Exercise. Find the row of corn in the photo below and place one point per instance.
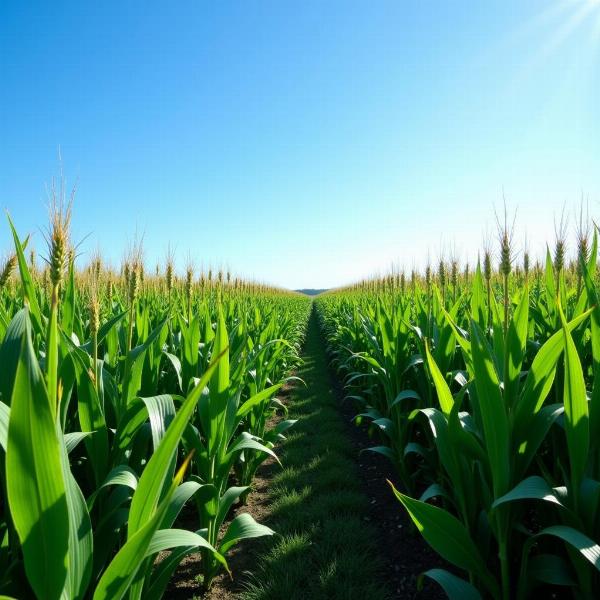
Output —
(134, 413)
(483, 389)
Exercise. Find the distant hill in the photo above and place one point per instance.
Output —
(311, 292)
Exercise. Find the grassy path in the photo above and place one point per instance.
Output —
(326, 548)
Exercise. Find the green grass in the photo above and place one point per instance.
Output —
(325, 549)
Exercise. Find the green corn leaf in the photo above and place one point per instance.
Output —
(455, 587)
(247, 442)
(161, 411)
(492, 410)
(404, 395)
(443, 391)
(226, 501)
(540, 378)
(592, 293)
(80, 535)
(69, 302)
(165, 539)
(4, 419)
(28, 287)
(449, 538)
(532, 488)
(256, 400)
(433, 491)
(516, 341)
(134, 363)
(577, 426)
(104, 330)
(122, 570)
(10, 352)
(535, 434)
(35, 486)
(551, 294)
(478, 298)
(219, 383)
(119, 475)
(383, 450)
(90, 412)
(176, 363)
(151, 484)
(74, 438)
(551, 569)
(52, 334)
(241, 528)
(163, 571)
(180, 496)
(581, 542)
(279, 429)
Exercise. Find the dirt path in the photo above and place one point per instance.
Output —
(326, 549)
(340, 534)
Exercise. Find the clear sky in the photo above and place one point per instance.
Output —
(303, 143)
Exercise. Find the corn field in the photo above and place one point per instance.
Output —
(136, 410)
(125, 398)
(480, 388)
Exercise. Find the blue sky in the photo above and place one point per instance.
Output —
(303, 143)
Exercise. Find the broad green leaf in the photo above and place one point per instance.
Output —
(443, 391)
(581, 542)
(227, 500)
(73, 439)
(180, 496)
(478, 298)
(152, 481)
(516, 341)
(90, 412)
(577, 426)
(134, 363)
(257, 399)
(541, 377)
(241, 528)
(28, 287)
(532, 488)
(68, 305)
(165, 539)
(455, 587)
(80, 534)
(10, 351)
(104, 330)
(551, 569)
(161, 411)
(535, 434)
(119, 475)
(449, 538)
(4, 418)
(219, 383)
(383, 450)
(492, 410)
(248, 442)
(35, 485)
(404, 395)
(122, 570)
(52, 334)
